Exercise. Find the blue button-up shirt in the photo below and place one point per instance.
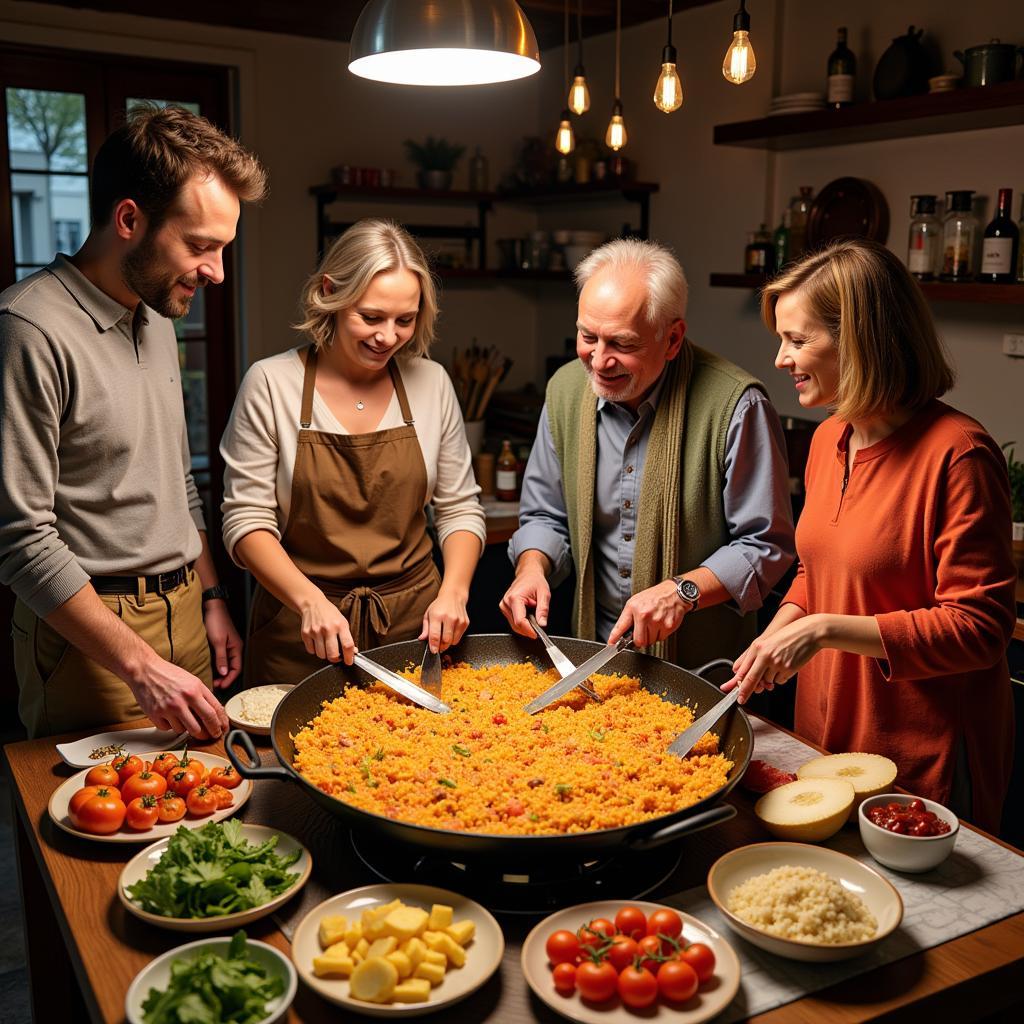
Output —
(755, 499)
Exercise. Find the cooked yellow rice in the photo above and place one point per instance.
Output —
(575, 767)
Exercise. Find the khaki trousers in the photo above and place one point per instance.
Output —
(63, 691)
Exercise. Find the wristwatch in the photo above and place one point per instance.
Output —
(688, 591)
(217, 593)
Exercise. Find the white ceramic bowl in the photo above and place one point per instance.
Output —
(878, 894)
(157, 974)
(907, 853)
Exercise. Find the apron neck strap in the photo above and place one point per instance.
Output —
(308, 386)
(403, 399)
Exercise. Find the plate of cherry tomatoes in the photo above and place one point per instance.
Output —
(617, 962)
(141, 798)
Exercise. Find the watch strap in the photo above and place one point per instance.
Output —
(215, 593)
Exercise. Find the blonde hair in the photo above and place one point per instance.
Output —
(667, 290)
(368, 248)
(889, 354)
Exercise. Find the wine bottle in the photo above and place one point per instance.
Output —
(999, 246)
(842, 66)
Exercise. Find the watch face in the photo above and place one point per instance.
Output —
(688, 590)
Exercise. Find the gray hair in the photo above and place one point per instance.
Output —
(667, 290)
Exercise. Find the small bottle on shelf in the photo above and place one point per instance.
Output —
(842, 67)
(505, 474)
(924, 244)
(959, 230)
(759, 257)
(999, 246)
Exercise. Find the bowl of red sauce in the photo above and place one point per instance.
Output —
(907, 833)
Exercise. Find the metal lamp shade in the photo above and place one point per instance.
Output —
(443, 42)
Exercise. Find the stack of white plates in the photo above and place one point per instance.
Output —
(797, 103)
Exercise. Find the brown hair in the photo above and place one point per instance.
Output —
(156, 151)
(889, 354)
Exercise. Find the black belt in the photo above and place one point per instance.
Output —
(160, 583)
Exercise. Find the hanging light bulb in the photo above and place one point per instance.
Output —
(616, 136)
(740, 64)
(668, 93)
(565, 140)
(579, 94)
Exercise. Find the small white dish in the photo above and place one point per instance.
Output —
(157, 974)
(58, 807)
(880, 897)
(145, 860)
(709, 1001)
(132, 741)
(483, 954)
(235, 705)
(912, 854)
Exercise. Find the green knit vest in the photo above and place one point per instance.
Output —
(680, 516)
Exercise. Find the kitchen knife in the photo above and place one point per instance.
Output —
(684, 742)
(562, 664)
(581, 675)
(400, 685)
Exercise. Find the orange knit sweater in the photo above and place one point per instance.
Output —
(920, 539)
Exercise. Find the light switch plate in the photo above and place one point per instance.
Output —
(1013, 345)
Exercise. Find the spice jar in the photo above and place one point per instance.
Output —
(924, 243)
(959, 233)
(759, 257)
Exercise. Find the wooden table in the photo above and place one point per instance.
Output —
(77, 929)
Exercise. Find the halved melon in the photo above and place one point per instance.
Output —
(806, 811)
(869, 774)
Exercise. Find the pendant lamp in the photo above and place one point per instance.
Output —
(443, 42)
(579, 93)
(668, 93)
(740, 63)
(565, 139)
(616, 137)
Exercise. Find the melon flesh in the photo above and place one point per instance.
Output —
(869, 774)
(806, 811)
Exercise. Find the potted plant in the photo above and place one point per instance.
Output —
(435, 159)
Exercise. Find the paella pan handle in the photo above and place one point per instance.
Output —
(251, 768)
(717, 663)
(712, 816)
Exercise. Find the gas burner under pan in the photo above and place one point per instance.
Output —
(547, 888)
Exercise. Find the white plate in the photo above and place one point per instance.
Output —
(134, 741)
(157, 974)
(877, 893)
(234, 709)
(710, 999)
(58, 807)
(140, 865)
(483, 954)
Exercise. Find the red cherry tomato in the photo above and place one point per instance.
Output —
(701, 958)
(597, 982)
(103, 775)
(677, 981)
(631, 921)
(650, 950)
(200, 801)
(226, 777)
(594, 938)
(127, 766)
(142, 813)
(565, 978)
(665, 922)
(622, 951)
(562, 947)
(638, 987)
(182, 781)
(171, 807)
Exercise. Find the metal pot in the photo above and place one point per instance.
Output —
(990, 63)
(669, 681)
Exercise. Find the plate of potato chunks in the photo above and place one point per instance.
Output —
(397, 950)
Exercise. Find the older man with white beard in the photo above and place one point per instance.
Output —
(659, 472)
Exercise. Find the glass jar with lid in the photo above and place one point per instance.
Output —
(959, 237)
(925, 241)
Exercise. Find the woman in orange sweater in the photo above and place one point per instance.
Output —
(903, 605)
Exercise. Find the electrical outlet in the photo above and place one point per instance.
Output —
(1013, 345)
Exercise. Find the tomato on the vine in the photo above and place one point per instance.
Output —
(677, 981)
(622, 951)
(631, 921)
(701, 958)
(650, 950)
(665, 922)
(594, 935)
(638, 987)
(564, 975)
(596, 981)
(562, 947)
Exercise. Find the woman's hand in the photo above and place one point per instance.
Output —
(325, 631)
(775, 657)
(445, 620)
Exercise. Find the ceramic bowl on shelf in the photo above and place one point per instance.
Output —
(902, 852)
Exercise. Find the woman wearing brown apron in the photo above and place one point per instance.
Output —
(333, 451)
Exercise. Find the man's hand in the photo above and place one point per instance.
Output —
(175, 699)
(445, 620)
(654, 614)
(529, 590)
(325, 631)
(773, 658)
(225, 642)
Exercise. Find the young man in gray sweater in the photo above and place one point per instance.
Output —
(102, 535)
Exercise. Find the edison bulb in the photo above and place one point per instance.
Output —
(579, 94)
(668, 93)
(616, 137)
(739, 64)
(565, 140)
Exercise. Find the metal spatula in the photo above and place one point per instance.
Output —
(430, 671)
(561, 662)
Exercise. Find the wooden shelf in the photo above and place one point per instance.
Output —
(341, 192)
(934, 291)
(601, 190)
(993, 106)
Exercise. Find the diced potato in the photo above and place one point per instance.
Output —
(333, 966)
(382, 946)
(462, 932)
(338, 949)
(415, 990)
(401, 961)
(433, 956)
(332, 929)
(373, 919)
(362, 948)
(451, 949)
(440, 917)
(374, 980)
(405, 922)
(434, 973)
(354, 934)
(432, 939)
(415, 949)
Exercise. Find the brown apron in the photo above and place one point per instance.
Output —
(357, 527)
